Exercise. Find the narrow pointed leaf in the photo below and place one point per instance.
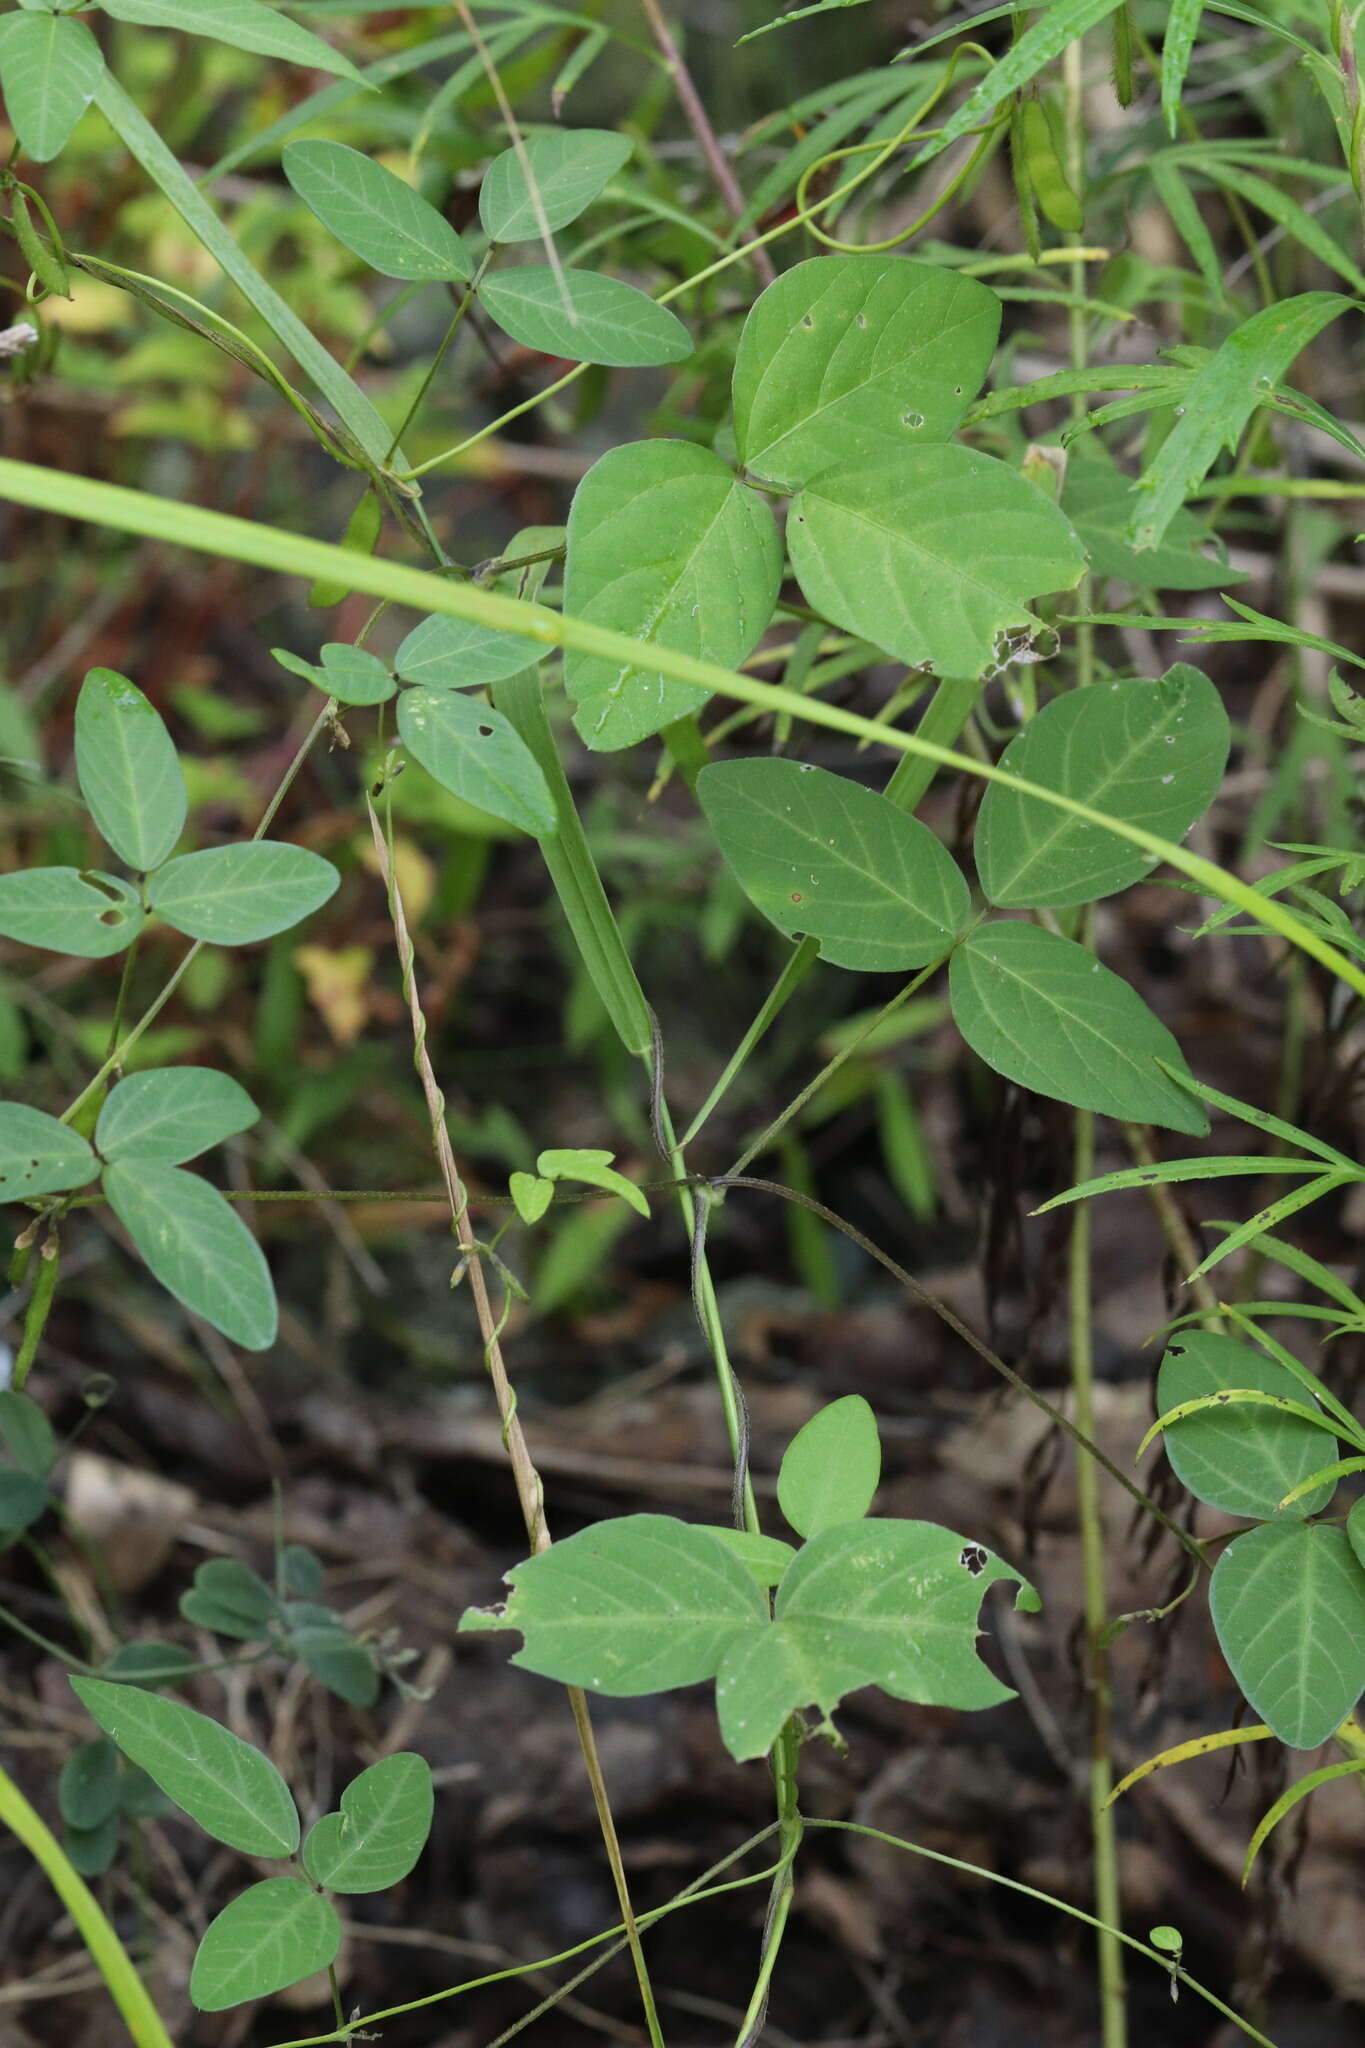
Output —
(665, 545)
(636, 1605)
(1182, 27)
(567, 168)
(1288, 1603)
(1063, 22)
(892, 1604)
(243, 24)
(832, 1467)
(128, 771)
(854, 359)
(1046, 1014)
(1239, 1458)
(232, 895)
(70, 910)
(472, 751)
(583, 316)
(380, 1832)
(386, 223)
(196, 1246)
(39, 1156)
(1099, 501)
(932, 556)
(172, 1114)
(273, 1935)
(823, 857)
(1289, 1799)
(50, 68)
(1149, 754)
(232, 1790)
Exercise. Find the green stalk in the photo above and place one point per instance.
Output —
(110, 1957)
(271, 548)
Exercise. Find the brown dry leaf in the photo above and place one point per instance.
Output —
(135, 1517)
(413, 872)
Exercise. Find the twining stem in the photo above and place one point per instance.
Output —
(526, 1479)
(110, 1957)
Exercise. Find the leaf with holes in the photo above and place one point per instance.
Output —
(831, 1468)
(232, 895)
(39, 1156)
(455, 654)
(664, 545)
(232, 1790)
(1288, 1603)
(386, 223)
(932, 556)
(380, 1832)
(271, 1936)
(50, 68)
(1046, 1014)
(1241, 1459)
(196, 1246)
(564, 169)
(583, 316)
(823, 857)
(636, 1605)
(472, 751)
(848, 360)
(243, 24)
(892, 1604)
(128, 771)
(70, 910)
(1149, 754)
(172, 1114)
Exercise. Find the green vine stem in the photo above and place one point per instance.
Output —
(110, 1957)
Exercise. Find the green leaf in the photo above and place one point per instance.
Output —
(274, 1934)
(585, 317)
(196, 1246)
(1098, 500)
(883, 1603)
(455, 654)
(847, 360)
(380, 1832)
(636, 1605)
(531, 1195)
(1182, 27)
(1148, 754)
(232, 895)
(349, 673)
(1046, 1014)
(1355, 1530)
(386, 223)
(128, 771)
(1063, 22)
(823, 857)
(70, 910)
(567, 169)
(326, 1646)
(90, 1851)
(88, 1788)
(149, 1663)
(172, 1114)
(232, 1790)
(1288, 1603)
(472, 751)
(665, 545)
(243, 24)
(50, 67)
(22, 1500)
(1303, 1788)
(229, 1598)
(301, 1570)
(932, 556)
(25, 1431)
(1221, 399)
(832, 1467)
(39, 1156)
(1239, 1458)
(594, 1168)
(766, 1557)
